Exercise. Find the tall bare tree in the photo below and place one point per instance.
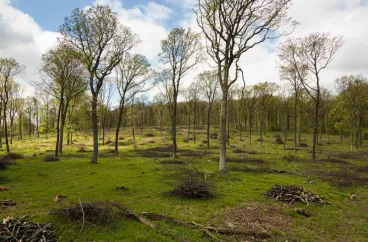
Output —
(101, 42)
(14, 108)
(132, 75)
(9, 68)
(312, 54)
(181, 51)
(233, 27)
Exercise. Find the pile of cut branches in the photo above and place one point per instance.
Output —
(14, 229)
(292, 194)
(97, 213)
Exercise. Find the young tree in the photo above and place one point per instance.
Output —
(9, 68)
(353, 92)
(15, 103)
(265, 91)
(232, 27)
(209, 85)
(106, 93)
(250, 98)
(181, 51)
(101, 42)
(64, 78)
(132, 76)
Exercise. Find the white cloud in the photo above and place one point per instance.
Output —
(24, 40)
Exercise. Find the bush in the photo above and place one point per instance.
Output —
(194, 188)
(278, 140)
(4, 163)
(204, 141)
(303, 145)
(150, 134)
(214, 136)
(193, 185)
(82, 149)
(51, 158)
(13, 156)
(121, 138)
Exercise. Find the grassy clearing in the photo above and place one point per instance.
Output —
(147, 172)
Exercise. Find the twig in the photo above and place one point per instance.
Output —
(80, 203)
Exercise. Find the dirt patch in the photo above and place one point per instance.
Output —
(243, 151)
(351, 155)
(173, 162)
(256, 217)
(247, 160)
(257, 170)
(343, 178)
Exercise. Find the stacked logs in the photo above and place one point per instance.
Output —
(14, 229)
(293, 194)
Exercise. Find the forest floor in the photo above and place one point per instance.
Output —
(147, 172)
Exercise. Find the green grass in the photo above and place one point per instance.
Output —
(33, 185)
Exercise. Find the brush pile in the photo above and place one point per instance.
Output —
(90, 212)
(14, 229)
(293, 194)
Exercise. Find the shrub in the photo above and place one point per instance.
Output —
(51, 158)
(4, 163)
(82, 149)
(303, 145)
(150, 134)
(193, 187)
(13, 156)
(214, 136)
(278, 139)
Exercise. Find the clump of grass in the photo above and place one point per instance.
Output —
(51, 158)
(13, 156)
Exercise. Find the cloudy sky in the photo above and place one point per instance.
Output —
(29, 27)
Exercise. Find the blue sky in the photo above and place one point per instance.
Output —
(50, 14)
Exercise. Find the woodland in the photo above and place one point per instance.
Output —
(96, 155)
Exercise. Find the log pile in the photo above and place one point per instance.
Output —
(14, 229)
(293, 194)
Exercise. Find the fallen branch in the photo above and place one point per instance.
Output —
(207, 230)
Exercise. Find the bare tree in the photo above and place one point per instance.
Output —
(209, 85)
(250, 99)
(132, 76)
(233, 27)
(106, 93)
(9, 68)
(101, 42)
(312, 54)
(181, 51)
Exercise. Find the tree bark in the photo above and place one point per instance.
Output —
(121, 109)
(173, 128)
(95, 128)
(6, 129)
(222, 163)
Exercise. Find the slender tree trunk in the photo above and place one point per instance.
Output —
(250, 128)
(58, 126)
(194, 124)
(95, 128)
(173, 130)
(11, 130)
(222, 163)
(132, 112)
(315, 131)
(121, 109)
(295, 118)
(208, 124)
(6, 129)
(63, 119)
(189, 125)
